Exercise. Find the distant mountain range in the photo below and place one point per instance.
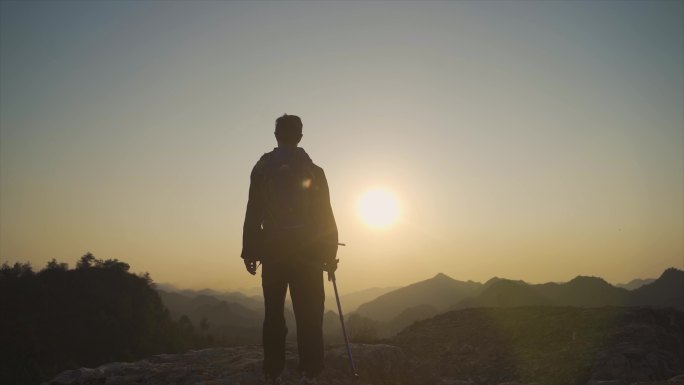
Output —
(635, 283)
(252, 298)
(400, 308)
(391, 310)
(351, 301)
(440, 292)
(666, 291)
(237, 317)
(233, 316)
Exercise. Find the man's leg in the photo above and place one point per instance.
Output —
(306, 290)
(274, 284)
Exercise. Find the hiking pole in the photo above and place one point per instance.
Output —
(331, 276)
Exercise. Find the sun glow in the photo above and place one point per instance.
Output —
(378, 208)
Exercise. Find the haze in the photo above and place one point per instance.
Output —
(527, 140)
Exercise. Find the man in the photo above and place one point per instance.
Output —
(290, 228)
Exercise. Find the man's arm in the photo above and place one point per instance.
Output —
(326, 222)
(251, 231)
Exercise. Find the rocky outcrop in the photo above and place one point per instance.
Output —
(377, 364)
(548, 345)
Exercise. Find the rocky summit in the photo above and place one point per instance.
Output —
(377, 364)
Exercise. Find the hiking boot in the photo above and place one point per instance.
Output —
(306, 380)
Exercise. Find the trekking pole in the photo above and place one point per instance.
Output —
(344, 330)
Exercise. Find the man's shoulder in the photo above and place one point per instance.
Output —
(317, 169)
(268, 159)
(263, 161)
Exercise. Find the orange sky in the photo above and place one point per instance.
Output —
(528, 140)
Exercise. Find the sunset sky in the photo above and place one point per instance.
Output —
(527, 140)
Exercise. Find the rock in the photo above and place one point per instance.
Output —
(376, 364)
(453, 381)
(517, 383)
(676, 380)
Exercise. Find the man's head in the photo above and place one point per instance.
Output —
(288, 130)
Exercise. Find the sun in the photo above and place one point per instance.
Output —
(378, 208)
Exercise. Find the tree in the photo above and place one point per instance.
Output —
(112, 264)
(185, 324)
(204, 324)
(87, 261)
(96, 313)
(58, 266)
(18, 270)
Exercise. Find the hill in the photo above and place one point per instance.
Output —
(584, 291)
(407, 317)
(233, 317)
(547, 345)
(253, 302)
(504, 292)
(667, 290)
(397, 309)
(635, 283)
(351, 301)
(580, 291)
(212, 309)
(440, 291)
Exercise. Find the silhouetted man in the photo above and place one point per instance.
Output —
(290, 228)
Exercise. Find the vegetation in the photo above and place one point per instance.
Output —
(547, 345)
(61, 318)
(363, 329)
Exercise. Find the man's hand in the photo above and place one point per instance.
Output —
(251, 266)
(330, 266)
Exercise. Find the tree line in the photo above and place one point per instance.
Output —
(98, 312)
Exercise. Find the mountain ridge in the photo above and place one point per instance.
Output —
(395, 309)
(635, 283)
(444, 293)
(427, 292)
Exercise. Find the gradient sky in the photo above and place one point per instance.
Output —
(527, 140)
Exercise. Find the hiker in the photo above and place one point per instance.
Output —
(290, 228)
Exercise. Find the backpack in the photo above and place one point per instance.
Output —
(288, 194)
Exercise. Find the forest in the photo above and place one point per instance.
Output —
(60, 318)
